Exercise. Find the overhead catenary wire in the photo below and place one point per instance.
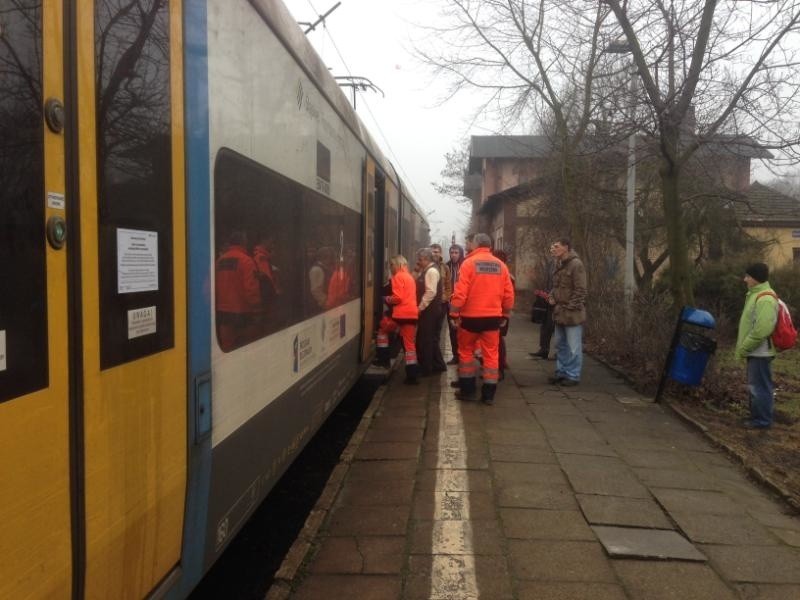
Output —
(398, 164)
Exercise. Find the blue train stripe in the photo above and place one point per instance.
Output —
(198, 204)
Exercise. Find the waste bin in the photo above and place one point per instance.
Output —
(690, 357)
(689, 350)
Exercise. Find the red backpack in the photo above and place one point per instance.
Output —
(784, 336)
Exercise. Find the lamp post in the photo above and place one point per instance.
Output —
(630, 200)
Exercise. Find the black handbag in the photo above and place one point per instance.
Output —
(539, 310)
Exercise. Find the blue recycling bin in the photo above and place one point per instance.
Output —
(690, 350)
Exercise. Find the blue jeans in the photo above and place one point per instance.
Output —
(762, 390)
(569, 351)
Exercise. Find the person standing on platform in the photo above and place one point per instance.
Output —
(547, 326)
(429, 353)
(456, 258)
(480, 306)
(447, 290)
(503, 355)
(569, 313)
(404, 313)
(759, 317)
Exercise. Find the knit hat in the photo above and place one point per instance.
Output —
(758, 271)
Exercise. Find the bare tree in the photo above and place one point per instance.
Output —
(535, 61)
(732, 63)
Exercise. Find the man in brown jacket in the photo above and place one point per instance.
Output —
(569, 312)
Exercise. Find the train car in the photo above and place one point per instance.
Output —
(194, 229)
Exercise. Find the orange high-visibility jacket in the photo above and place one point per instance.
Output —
(484, 287)
(236, 282)
(404, 296)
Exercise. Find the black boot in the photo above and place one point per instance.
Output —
(381, 357)
(467, 388)
(487, 393)
(412, 372)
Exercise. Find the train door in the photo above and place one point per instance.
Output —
(128, 104)
(381, 264)
(35, 505)
(368, 261)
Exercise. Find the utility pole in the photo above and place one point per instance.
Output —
(311, 26)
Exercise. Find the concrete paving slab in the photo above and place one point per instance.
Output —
(724, 529)
(347, 587)
(631, 512)
(458, 578)
(365, 555)
(385, 470)
(522, 454)
(537, 495)
(454, 457)
(388, 450)
(456, 537)
(454, 480)
(697, 502)
(366, 493)
(787, 536)
(765, 564)
(763, 591)
(509, 473)
(629, 542)
(536, 590)
(531, 524)
(559, 561)
(368, 520)
(455, 506)
(687, 478)
(604, 481)
(656, 580)
(517, 438)
(394, 435)
(655, 459)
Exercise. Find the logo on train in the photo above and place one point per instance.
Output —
(299, 95)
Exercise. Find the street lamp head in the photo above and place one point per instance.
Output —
(619, 47)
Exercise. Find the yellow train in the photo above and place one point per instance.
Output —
(194, 226)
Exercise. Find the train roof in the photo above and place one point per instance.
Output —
(285, 27)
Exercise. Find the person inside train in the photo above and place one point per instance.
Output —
(238, 294)
(339, 281)
(318, 276)
(429, 353)
(401, 316)
(268, 275)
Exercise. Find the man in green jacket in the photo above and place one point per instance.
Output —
(759, 316)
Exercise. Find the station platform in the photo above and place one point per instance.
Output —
(587, 492)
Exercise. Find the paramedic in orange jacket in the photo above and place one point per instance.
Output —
(481, 304)
(238, 294)
(404, 314)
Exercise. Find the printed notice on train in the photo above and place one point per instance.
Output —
(137, 261)
(141, 321)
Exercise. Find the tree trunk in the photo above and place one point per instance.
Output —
(679, 268)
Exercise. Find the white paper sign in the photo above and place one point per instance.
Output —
(3, 350)
(55, 200)
(141, 321)
(137, 261)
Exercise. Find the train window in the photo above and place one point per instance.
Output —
(284, 252)
(134, 167)
(23, 313)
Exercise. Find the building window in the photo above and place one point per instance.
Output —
(796, 255)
